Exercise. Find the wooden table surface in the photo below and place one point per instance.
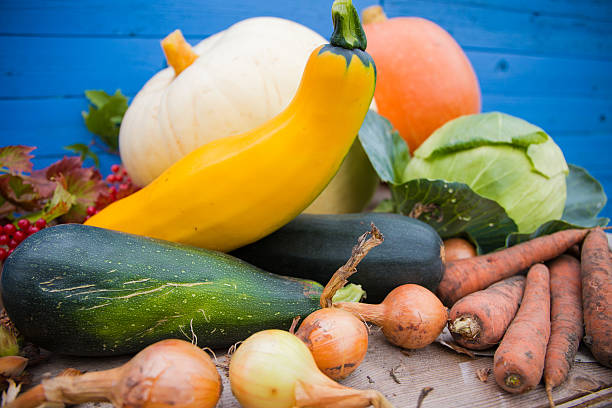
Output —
(451, 375)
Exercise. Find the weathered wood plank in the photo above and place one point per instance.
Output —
(452, 376)
(45, 67)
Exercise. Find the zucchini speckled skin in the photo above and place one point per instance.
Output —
(84, 290)
(314, 246)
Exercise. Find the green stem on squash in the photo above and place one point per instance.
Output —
(348, 32)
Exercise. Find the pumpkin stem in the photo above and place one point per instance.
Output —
(179, 53)
(373, 14)
(348, 32)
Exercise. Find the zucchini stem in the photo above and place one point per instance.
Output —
(348, 32)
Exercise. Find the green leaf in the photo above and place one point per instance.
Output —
(469, 131)
(387, 151)
(547, 228)
(349, 293)
(453, 209)
(585, 199)
(84, 151)
(16, 159)
(385, 206)
(60, 204)
(19, 187)
(105, 115)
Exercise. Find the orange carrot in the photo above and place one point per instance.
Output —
(465, 276)
(565, 321)
(480, 319)
(597, 295)
(519, 360)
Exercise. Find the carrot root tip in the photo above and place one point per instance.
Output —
(513, 381)
(465, 326)
(548, 388)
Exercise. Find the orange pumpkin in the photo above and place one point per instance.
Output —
(424, 79)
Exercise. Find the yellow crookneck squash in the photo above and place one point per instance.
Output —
(236, 190)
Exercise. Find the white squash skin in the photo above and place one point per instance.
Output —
(172, 116)
(240, 81)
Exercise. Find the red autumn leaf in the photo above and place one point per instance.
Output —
(84, 183)
(16, 159)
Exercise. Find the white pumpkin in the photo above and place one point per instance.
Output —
(243, 76)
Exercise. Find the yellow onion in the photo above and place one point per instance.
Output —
(337, 340)
(167, 374)
(410, 316)
(275, 369)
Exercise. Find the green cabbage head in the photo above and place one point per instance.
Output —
(500, 157)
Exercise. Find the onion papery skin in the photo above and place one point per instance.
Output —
(171, 373)
(411, 316)
(337, 339)
(265, 368)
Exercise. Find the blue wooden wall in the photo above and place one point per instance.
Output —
(547, 61)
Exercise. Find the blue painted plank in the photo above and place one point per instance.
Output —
(473, 26)
(53, 123)
(600, 10)
(47, 67)
(511, 74)
(48, 124)
(584, 149)
(556, 114)
(512, 31)
(154, 18)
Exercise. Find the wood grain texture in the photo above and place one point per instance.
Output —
(452, 376)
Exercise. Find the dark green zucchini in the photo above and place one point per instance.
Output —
(313, 246)
(83, 290)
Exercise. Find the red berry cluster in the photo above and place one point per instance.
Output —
(120, 185)
(11, 235)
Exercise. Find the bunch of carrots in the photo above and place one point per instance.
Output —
(538, 320)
